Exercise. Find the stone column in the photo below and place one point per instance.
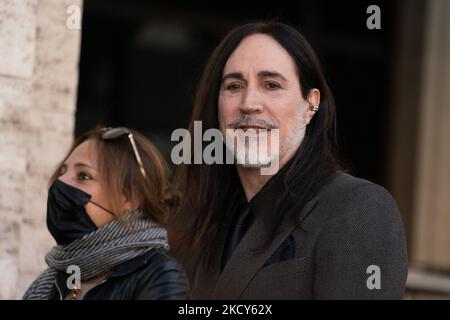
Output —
(39, 53)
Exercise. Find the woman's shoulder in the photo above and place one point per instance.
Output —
(160, 259)
(161, 277)
(154, 261)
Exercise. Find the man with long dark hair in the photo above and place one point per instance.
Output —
(309, 231)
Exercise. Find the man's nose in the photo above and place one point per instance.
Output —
(251, 102)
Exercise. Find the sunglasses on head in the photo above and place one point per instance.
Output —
(115, 133)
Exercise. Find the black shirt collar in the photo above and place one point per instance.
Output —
(272, 191)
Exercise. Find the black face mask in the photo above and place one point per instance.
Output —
(67, 219)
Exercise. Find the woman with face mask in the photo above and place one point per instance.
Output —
(106, 211)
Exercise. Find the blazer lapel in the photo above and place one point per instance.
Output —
(244, 263)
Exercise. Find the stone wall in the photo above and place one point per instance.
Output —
(39, 54)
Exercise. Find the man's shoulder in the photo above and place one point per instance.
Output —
(346, 186)
(342, 179)
(350, 198)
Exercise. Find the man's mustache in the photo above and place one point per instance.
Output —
(247, 120)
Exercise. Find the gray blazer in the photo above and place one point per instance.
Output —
(351, 225)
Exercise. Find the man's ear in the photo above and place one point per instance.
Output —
(313, 101)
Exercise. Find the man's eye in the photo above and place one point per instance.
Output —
(84, 176)
(272, 85)
(234, 87)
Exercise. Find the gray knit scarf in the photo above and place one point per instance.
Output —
(99, 252)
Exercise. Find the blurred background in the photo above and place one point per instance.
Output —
(136, 63)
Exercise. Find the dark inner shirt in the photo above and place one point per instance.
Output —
(243, 215)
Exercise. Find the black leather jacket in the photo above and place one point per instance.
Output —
(151, 276)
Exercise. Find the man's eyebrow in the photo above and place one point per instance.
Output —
(235, 75)
(261, 74)
(267, 73)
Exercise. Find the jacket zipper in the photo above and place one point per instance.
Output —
(61, 295)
